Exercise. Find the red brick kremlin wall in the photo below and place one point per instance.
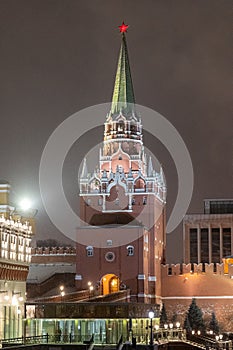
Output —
(213, 291)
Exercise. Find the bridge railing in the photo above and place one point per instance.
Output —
(49, 339)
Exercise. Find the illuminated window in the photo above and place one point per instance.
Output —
(130, 250)
(13, 239)
(90, 251)
(12, 255)
(109, 242)
(4, 237)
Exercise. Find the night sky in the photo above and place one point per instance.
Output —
(58, 57)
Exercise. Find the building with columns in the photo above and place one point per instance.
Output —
(208, 237)
(15, 256)
(124, 197)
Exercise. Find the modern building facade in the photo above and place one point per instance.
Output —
(208, 237)
(125, 197)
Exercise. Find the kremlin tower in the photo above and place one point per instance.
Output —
(122, 203)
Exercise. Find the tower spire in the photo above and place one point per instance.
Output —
(123, 94)
(84, 173)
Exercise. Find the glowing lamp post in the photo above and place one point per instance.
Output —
(156, 329)
(25, 204)
(91, 288)
(62, 292)
(151, 315)
(25, 209)
(171, 329)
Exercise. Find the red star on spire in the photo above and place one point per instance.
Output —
(123, 28)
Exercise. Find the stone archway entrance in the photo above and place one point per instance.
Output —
(110, 284)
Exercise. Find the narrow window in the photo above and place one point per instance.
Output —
(109, 242)
(90, 251)
(130, 250)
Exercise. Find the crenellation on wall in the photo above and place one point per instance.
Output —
(176, 269)
(207, 283)
(183, 269)
(53, 250)
(54, 255)
(186, 268)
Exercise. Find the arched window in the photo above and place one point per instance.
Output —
(139, 185)
(130, 250)
(90, 250)
(109, 242)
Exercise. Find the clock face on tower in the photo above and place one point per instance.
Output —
(109, 256)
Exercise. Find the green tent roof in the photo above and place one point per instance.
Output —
(123, 95)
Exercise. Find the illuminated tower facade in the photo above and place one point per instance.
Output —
(123, 203)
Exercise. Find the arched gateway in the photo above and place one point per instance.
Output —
(109, 284)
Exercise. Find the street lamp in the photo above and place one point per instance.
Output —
(157, 333)
(165, 326)
(91, 288)
(62, 292)
(25, 204)
(151, 315)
